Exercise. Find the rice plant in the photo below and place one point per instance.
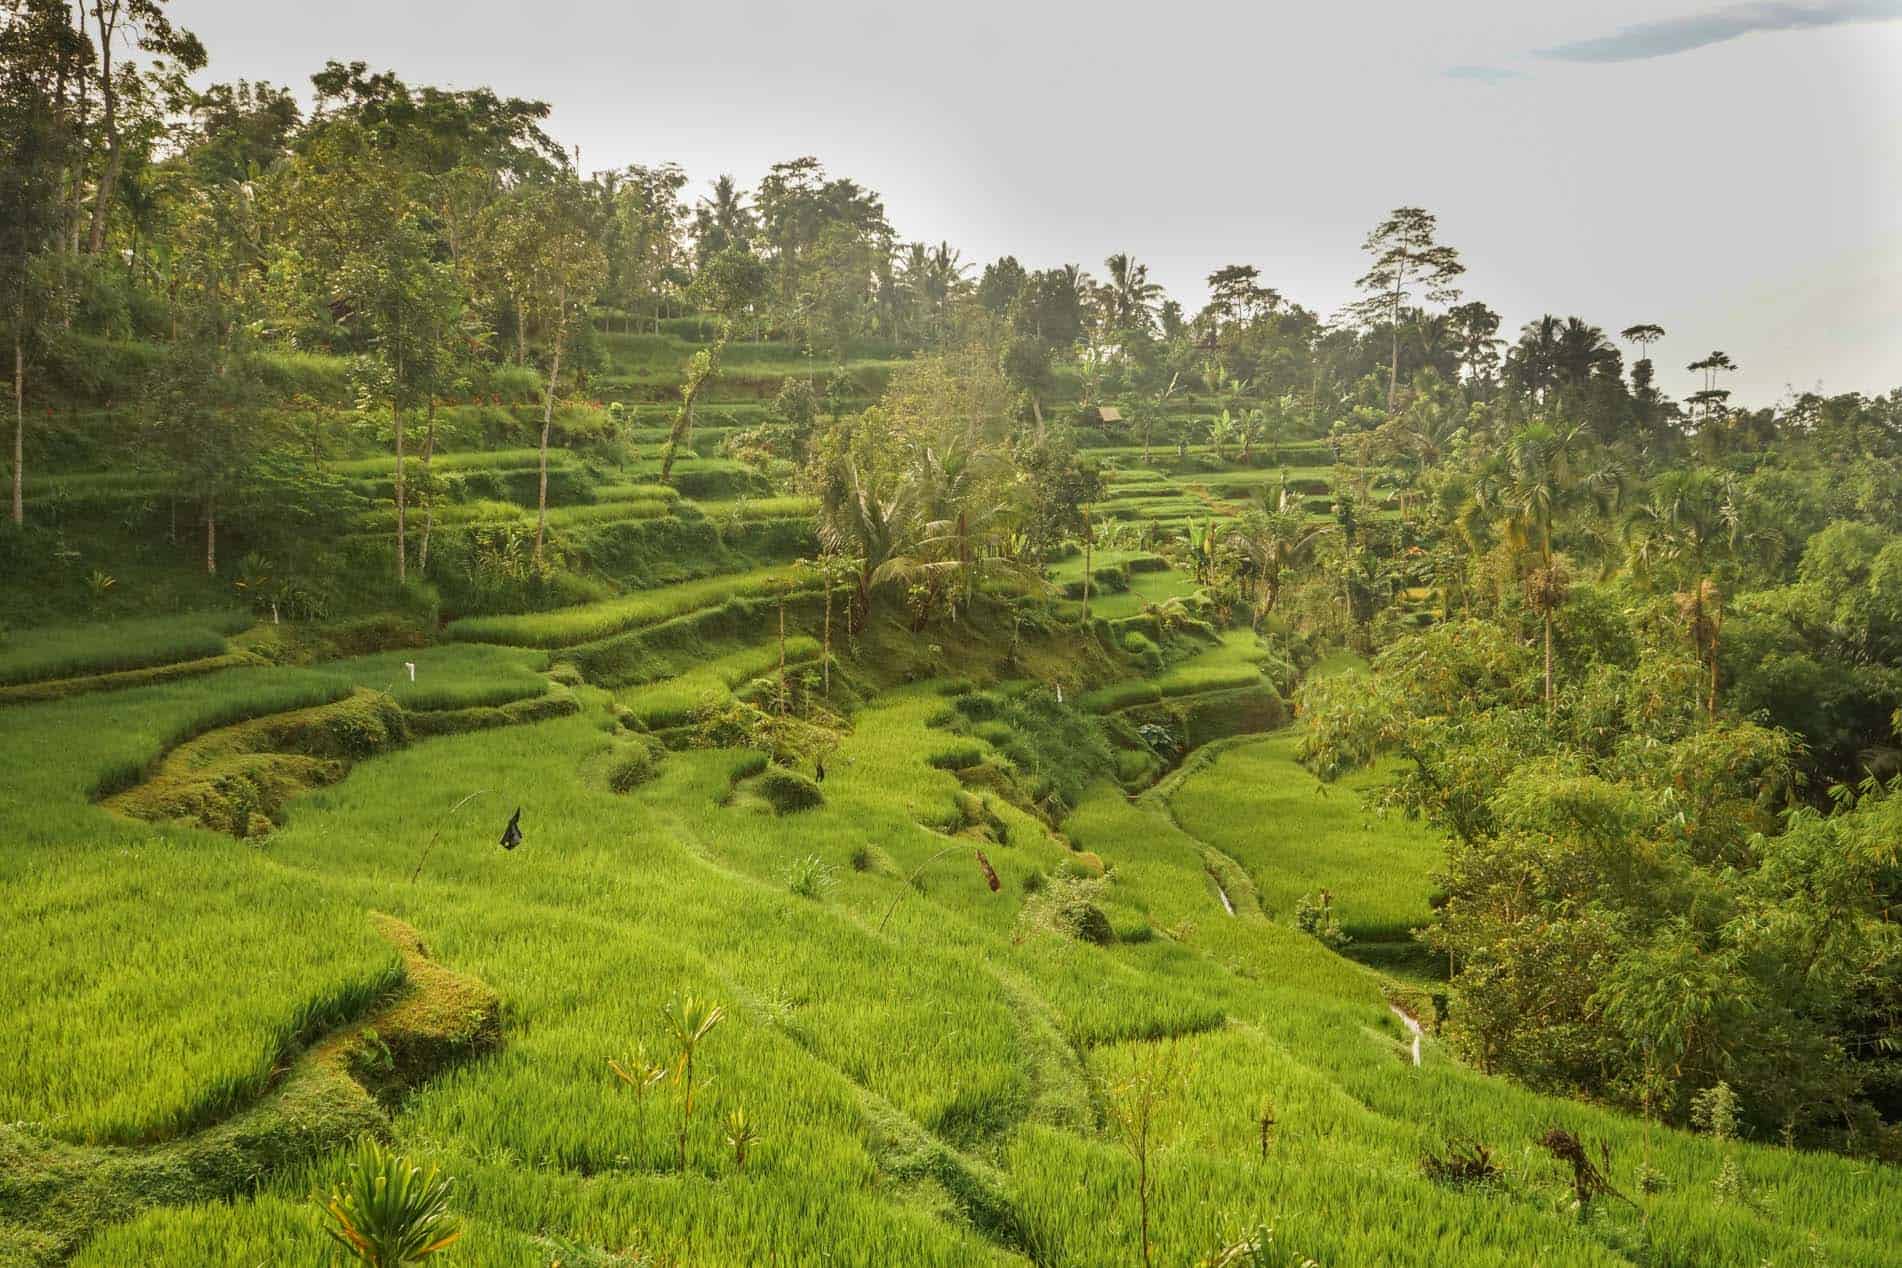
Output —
(811, 877)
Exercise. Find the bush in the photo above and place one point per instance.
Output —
(1066, 906)
(1461, 1165)
(787, 791)
(633, 765)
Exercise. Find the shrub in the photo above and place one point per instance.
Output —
(958, 757)
(1082, 865)
(1462, 1164)
(788, 791)
(1316, 918)
(633, 765)
(1066, 906)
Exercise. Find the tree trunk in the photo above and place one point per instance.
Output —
(106, 15)
(1393, 364)
(19, 426)
(102, 196)
(825, 647)
(429, 489)
(211, 535)
(1142, 1193)
(548, 419)
(521, 332)
(1712, 709)
(402, 524)
(1551, 700)
(1088, 542)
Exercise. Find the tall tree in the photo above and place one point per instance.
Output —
(643, 237)
(39, 54)
(561, 270)
(1475, 331)
(720, 222)
(1408, 261)
(1644, 334)
(1128, 298)
(1534, 479)
(361, 248)
(175, 52)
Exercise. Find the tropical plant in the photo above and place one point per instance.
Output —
(689, 1021)
(387, 1211)
(742, 1135)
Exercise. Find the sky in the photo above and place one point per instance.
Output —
(1732, 172)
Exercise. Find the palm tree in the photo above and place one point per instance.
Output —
(1129, 297)
(1582, 350)
(722, 220)
(1695, 525)
(1273, 539)
(1537, 478)
(868, 525)
(1533, 361)
(958, 533)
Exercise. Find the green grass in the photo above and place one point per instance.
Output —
(447, 677)
(928, 1094)
(1143, 587)
(100, 647)
(761, 508)
(929, 1077)
(673, 701)
(565, 627)
(1229, 665)
(1297, 836)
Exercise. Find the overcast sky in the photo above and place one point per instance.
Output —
(1730, 171)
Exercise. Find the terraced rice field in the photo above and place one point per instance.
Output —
(931, 1069)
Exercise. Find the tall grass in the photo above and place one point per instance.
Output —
(924, 1096)
(565, 627)
(99, 647)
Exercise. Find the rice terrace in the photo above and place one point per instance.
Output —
(563, 709)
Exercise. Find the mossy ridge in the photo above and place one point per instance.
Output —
(55, 1194)
(61, 688)
(239, 778)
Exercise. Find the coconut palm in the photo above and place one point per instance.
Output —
(963, 517)
(1129, 298)
(868, 525)
(1534, 480)
(1694, 526)
(1273, 539)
